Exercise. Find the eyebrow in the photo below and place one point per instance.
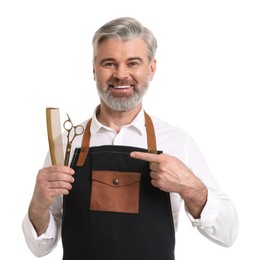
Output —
(107, 59)
(136, 58)
(114, 60)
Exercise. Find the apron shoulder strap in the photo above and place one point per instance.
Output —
(151, 139)
(85, 145)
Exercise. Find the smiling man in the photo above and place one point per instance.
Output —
(120, 198)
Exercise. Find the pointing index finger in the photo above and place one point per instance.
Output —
(149, 157)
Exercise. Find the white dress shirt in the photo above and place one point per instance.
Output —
(218, 221)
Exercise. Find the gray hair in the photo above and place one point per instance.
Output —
(125, 29)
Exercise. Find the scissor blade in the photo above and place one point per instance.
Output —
(54, 136)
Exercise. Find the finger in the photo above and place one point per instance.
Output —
(59, 191)
(63, 169)
(60, 176)
(153, 166)
(153, 175)
(55, 173)
(149, 157)
(153, 181)
(60, 185)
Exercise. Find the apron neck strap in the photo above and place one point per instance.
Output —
(151, 139)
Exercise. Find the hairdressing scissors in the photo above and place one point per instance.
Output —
(73, 131)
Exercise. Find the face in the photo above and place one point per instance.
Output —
(122, 73)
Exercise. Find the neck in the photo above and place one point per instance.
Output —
(116, 119)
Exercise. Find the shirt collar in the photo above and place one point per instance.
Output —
(138, 123)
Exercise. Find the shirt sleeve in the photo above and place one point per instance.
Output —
(219, 220)
(45, 243)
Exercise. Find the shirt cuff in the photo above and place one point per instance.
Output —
(209, 213)
(29, 229)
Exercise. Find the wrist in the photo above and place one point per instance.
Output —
(39, 218)
(195, 199)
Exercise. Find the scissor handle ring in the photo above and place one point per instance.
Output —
(67, 125)
(79, 129)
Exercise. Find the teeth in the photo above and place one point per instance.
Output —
(121, 87)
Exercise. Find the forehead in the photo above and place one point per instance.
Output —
(116, 49)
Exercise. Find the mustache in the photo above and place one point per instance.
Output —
(121, 82)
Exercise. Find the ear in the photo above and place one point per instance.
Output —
(94, 70)
(152, 68)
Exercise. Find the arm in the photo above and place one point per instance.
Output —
(41, 225)
(207, 206)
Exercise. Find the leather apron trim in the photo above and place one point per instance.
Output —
(151, 139)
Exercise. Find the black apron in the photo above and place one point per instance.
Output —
(113, 212)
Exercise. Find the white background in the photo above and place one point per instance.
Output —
(207, 83)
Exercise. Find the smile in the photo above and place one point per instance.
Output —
(121, 87)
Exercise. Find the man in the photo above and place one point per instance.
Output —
(120, 198)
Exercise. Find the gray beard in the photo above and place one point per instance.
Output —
(125, 103)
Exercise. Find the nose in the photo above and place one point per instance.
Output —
(121, 72)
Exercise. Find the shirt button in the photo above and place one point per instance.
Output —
(115, 181)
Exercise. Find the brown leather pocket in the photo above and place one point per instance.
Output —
(115, 191)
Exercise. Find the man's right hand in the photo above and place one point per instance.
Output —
(50, 182)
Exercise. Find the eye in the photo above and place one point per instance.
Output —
(109, 64)
(133, 64)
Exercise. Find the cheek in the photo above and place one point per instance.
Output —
(101, 76)
(142, 76)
